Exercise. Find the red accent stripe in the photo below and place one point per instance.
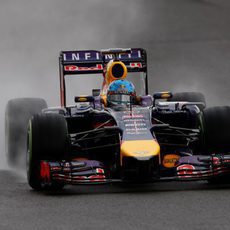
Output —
(45, 171)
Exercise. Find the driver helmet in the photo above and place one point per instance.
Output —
(120, 92)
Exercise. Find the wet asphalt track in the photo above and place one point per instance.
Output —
(178, 206)
(189, 49)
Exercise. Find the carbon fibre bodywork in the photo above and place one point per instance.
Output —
(100, 151)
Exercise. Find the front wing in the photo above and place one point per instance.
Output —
(187, 168)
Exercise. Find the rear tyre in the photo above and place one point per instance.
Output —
(190, 97)
(17, 115)
(47, 140)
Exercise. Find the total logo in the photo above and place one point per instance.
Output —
(170, 160)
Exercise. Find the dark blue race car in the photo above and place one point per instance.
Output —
(119, 133)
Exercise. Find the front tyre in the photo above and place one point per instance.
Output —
(215, 129)
(215, 133)
(47, 140)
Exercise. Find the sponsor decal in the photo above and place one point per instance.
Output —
(135, 65)
(136, 132)
(134, 120)
(92, 55)
(56, 168)
(93, 178)
(141, 152)
(98, 177)
(66, 167)
(185, 171)
(100, 171)
(170, 160)
(215, 160)
(82, 68)
(133, 116)
(136, 129)
(135, 125)
(81, 55)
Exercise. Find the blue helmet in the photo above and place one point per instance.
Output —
(119, 92)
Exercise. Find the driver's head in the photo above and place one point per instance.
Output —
(120, 92)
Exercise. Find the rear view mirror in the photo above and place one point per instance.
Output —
(84, 99)
(162, 95)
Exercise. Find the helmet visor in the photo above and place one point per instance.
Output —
(119, 98)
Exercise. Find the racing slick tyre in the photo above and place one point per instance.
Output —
(215, 126)
(215, 129)
(190, 97)
(17, 115)
(47, 140)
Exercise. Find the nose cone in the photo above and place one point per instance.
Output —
(140, 149)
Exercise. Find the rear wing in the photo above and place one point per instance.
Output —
(94, 61)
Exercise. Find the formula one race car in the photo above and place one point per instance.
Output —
(116, 134)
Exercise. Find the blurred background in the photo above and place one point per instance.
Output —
(187, 41)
